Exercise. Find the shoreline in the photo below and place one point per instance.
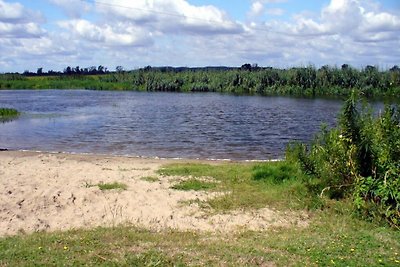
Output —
(142, 157)
(57, 191)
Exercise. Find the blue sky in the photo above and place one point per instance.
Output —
(54, 34)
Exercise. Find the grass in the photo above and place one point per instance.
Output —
(335, 236)
(248, 185)
(110, 186)
(194, 184)
(7, 114)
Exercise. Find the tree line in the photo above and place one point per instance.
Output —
(92, 70)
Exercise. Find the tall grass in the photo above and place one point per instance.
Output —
(360, 159)
(300, 81)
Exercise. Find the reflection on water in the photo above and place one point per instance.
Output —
(161, 124)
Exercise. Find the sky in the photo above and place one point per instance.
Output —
(54, 34)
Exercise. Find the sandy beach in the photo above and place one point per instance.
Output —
(49, 192)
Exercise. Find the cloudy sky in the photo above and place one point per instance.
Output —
(54, 34)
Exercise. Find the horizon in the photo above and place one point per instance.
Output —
(54, 34)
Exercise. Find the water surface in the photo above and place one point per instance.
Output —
(170, 125)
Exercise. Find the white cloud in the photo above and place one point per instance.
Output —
(116, 34)
(256, 9)
(381, 22)
(26, 30)
(344, 18)
(17, 13)
(73, 8)
(341, 16)
(175, 32)
(18, 22)
(170, 16)
(275, 11)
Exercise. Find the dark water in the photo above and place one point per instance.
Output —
(207, 126)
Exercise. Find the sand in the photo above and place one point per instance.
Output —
(56, 191)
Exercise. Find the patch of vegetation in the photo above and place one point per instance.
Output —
(297, 81)
(194, 184)
(152, 258)
(334, 237)
(110, 186)
(4, 112)
(279, 172)
(249, 185)
(360, 160)
(7, 114)
(151, 179)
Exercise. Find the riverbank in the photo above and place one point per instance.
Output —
(63, 209)
(49, 192)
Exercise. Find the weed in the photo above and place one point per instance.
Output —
(110, 186)
(88, 184)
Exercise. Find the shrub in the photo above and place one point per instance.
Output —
(360, 158)
(8, 114)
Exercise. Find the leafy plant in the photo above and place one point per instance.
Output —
(359, 159)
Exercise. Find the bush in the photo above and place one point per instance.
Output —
(8, 114)
(359, 159)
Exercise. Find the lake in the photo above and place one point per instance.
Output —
(166, 125)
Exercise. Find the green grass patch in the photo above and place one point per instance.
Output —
(248, 185)
(194, 184)
(333, 238)
(278, 172)
(110, 186)
(151, 179)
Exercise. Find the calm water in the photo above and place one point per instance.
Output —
(207, 126)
